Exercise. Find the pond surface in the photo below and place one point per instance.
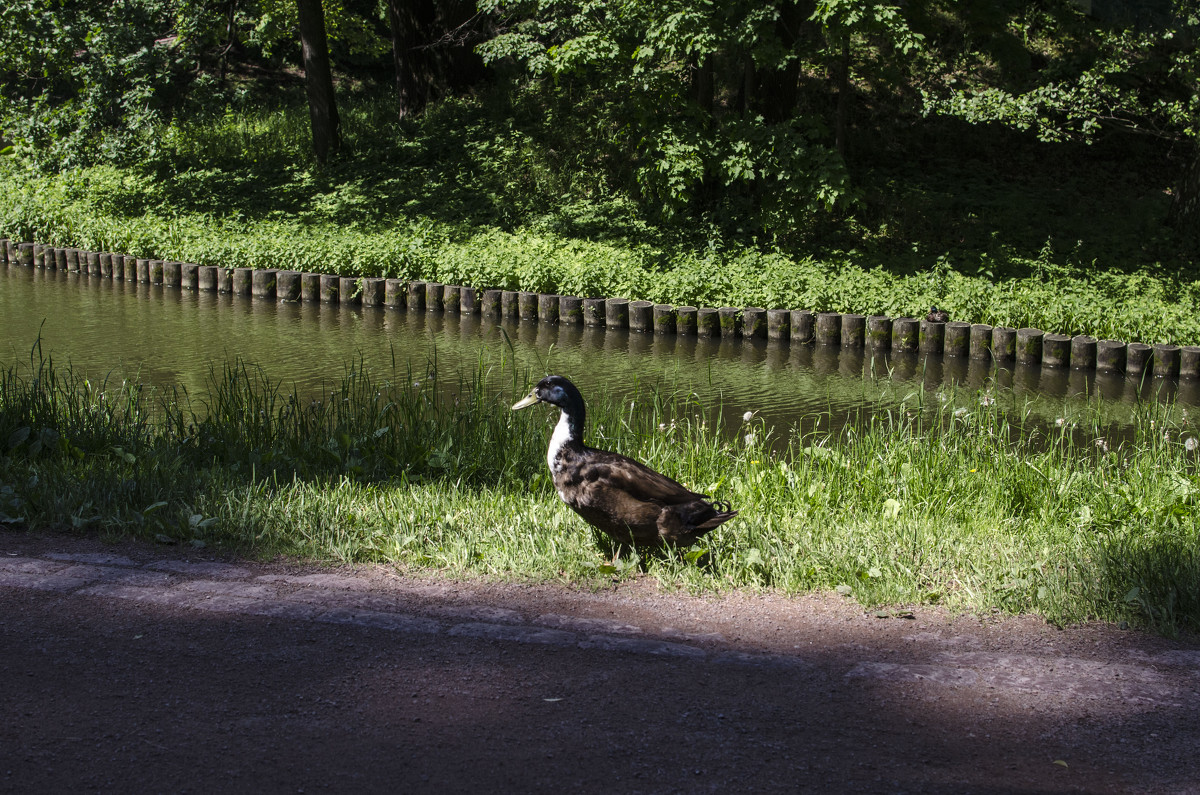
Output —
(168, 336)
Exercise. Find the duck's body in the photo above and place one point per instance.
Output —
(937, 315)
(625, 499)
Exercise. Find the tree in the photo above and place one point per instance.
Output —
(1132, 73)
(432, 50)
(412, 28)
(847, 23)
(318, 80)
(700, 97)
(82, 80)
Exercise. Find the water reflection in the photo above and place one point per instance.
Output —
(170, 336)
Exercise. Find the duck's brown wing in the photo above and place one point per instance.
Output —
(602, 472)
(632, 502)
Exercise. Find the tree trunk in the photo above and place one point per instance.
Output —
(318, 80)
(778, 89)
(412, 24)
(843, 99)
(1184, 215)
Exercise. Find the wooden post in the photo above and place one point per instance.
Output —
(664, 319)
(570, 310)
(548, 307)
(330, 288)
(803, 326)
(616, 313)
(958, 339)
(287, 285)
(1056, 350)
(905, 335)
(1083, 352)
(1029, 345)
(981, 341)
(854, 331)
(685, 320)
(641, 316)
(779, 324)
(754, 322)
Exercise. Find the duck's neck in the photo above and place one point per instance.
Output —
(568, 431)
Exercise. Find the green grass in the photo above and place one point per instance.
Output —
(479, 195)
(967, 507)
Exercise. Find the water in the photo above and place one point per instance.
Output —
(167, 336)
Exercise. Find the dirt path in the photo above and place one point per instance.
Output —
(140, 668)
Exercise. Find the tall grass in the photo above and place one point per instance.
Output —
(968, 507)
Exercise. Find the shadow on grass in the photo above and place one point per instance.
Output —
(1158, 578)
(985, 199)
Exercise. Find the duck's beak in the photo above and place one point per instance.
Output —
(528, 400)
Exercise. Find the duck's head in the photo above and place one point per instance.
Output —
(555, 390)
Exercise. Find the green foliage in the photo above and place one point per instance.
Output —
(631, 72)
(1114, 74)
(84, 80)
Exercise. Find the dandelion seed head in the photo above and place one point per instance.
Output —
(749, 415)
(1190, 444)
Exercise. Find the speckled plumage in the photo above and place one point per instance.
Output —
(623, 498)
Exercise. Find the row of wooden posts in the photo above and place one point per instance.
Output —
(1025, 346)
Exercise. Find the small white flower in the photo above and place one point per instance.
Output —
(1103, 445)
(1190, 444)
(960, 412)
(1060, 422)
(749, 415)
(987, 400)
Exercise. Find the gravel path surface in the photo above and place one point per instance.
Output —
(132, 667)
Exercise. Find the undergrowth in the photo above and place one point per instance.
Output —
(474, 193)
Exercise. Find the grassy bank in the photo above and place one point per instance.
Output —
(920, 505)
(465, 197)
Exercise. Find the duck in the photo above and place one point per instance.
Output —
(937, 315)
(623, 498)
